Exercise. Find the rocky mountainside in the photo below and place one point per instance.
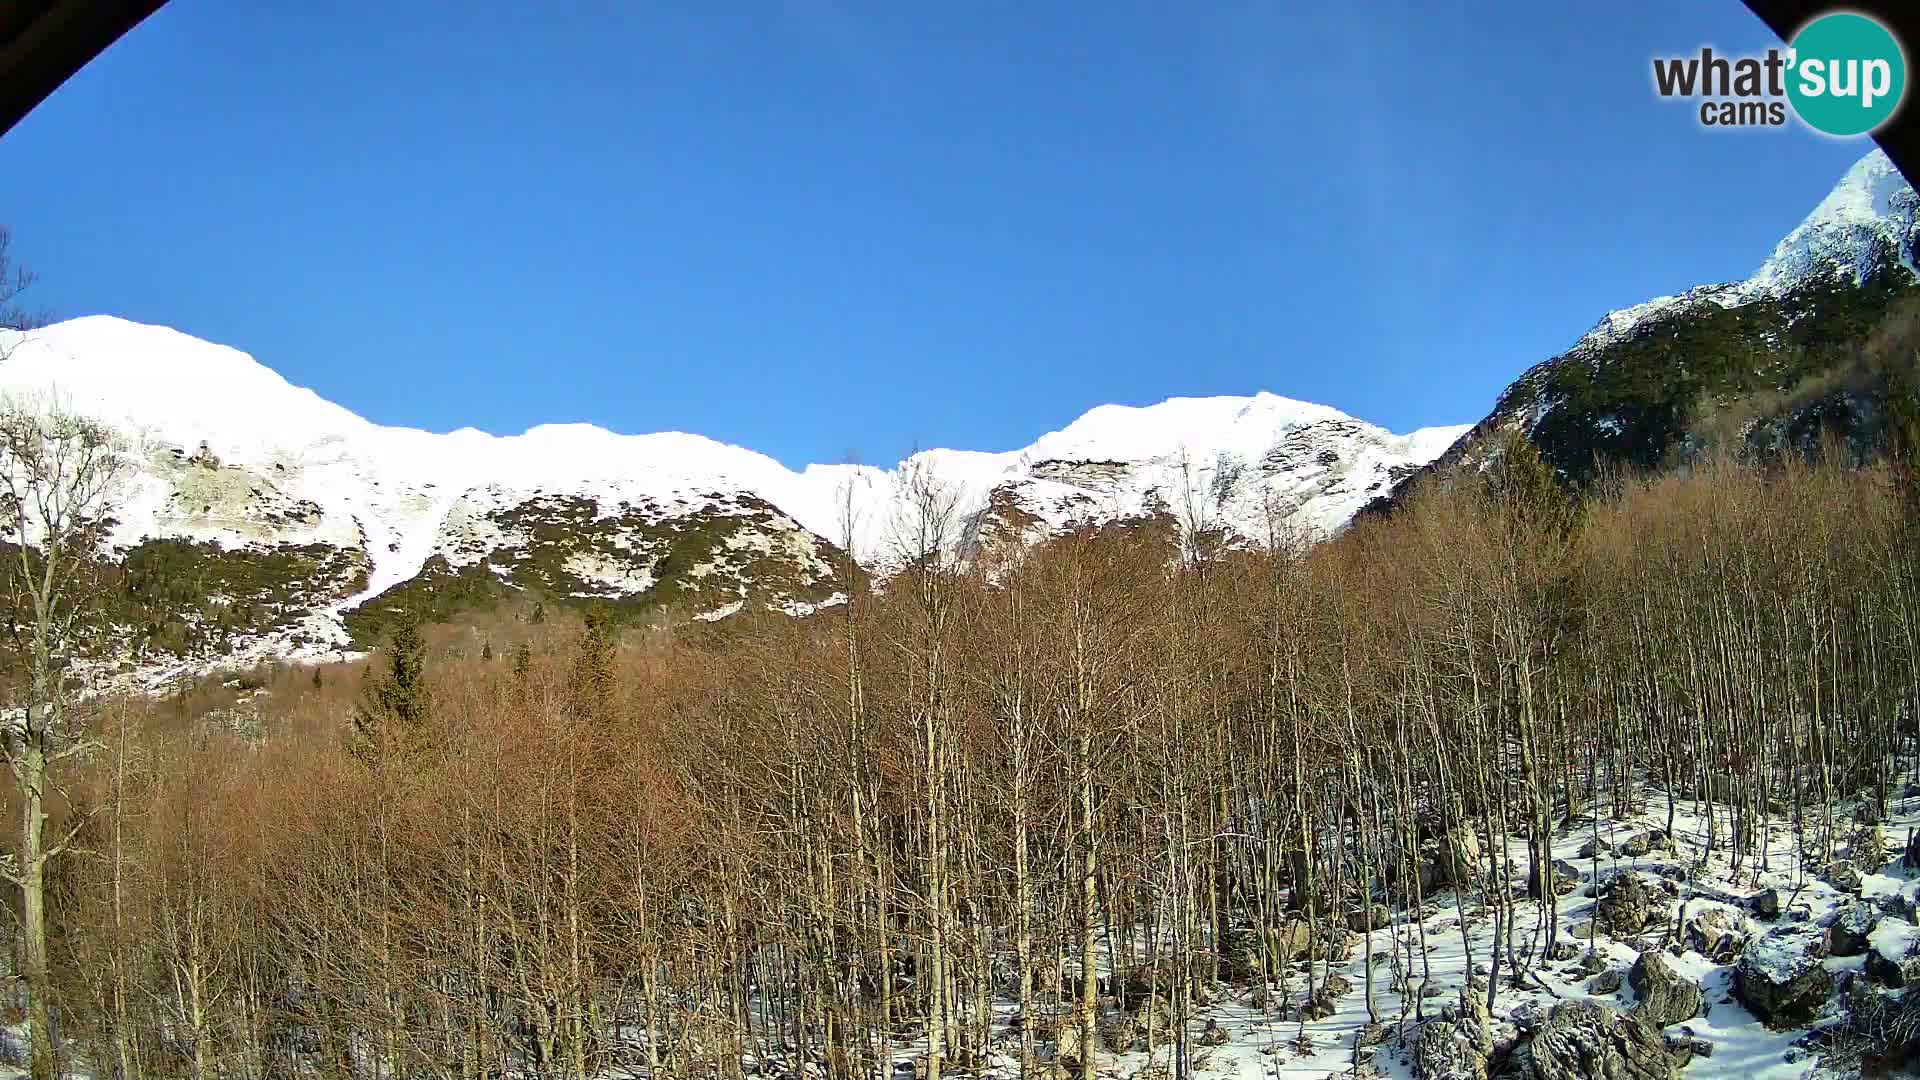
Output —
(1783, 357)
(263, 521)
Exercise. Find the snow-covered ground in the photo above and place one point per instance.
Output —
(1433, 965)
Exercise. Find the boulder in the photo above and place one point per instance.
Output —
(1213, 1034)
(1666, 996)
(1442, 1052)
(1584, 1040)
(1369, 917)
(1594, 848)
(1869, 848)
(1765, 904)
(1779, 982)
(1714, 935)
(1644, 843)
(1625, 906)
(1607, 982)
(1843, 875)
(1452, 859)
(1119, 1033)
(1892, 949)
(1848, 932)
(1240, 949)
(1912, 856)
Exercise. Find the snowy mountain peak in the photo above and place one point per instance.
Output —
(1870, 217)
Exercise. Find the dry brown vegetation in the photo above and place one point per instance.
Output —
(827, 839)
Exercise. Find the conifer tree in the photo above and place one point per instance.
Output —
(393, 708)
(593, 664)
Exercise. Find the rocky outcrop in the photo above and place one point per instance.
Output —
(1581, 1040)
(1458, 1045)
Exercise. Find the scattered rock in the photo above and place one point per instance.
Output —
(1713, 935)
(1666, 996)
(1765, 904)
(1778, 982)
(1891, 955)
(1594, 848)
(1213, 1034)
(1583, 1040)
(1607, 982)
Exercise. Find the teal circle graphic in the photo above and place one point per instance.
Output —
(1847, 75)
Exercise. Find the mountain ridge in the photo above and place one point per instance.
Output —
(236, 459)
(1636, 387)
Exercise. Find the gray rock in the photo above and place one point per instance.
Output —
(1765, 904)
(1119, 1032)
(1594, 848)
(1714, 935)
(1625, 906)
(1869, 848)
(1213, 1034)
(1371, 917)
(1688, 1046)
(1843, 875)
(1847, 933)
(1607, 982)
(1778, 982)
(1666, 996)
(1583, 1040)
(1442, 1052)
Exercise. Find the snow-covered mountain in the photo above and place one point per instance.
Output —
(1776, 351)
(1870, 216)
(245, 466)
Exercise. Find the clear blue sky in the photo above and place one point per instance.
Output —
(823, 229)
